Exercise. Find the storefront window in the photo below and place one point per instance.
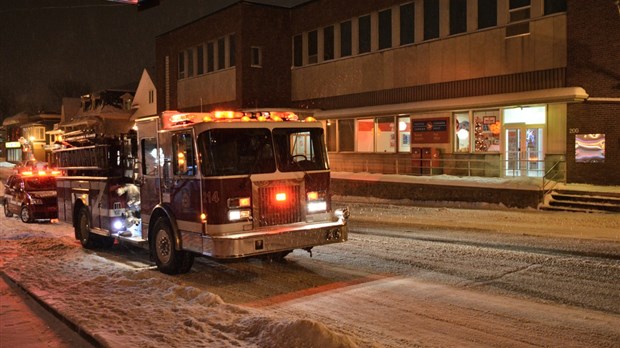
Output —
(404, 134)
(365, 135)
(487, 128)
(462, 139)
(346, 135)
(386, 134)
(331, 135)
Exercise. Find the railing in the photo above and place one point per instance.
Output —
(555, 174)
(489, 166)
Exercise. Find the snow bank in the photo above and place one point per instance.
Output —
(126, 303)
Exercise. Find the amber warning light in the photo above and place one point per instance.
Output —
(280, 197)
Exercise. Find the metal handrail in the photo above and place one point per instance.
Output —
(551, 180)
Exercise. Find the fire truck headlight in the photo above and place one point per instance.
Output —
(117, 225)
(317, 206)
(237, 214)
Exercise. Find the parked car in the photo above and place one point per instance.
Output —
(32, 195)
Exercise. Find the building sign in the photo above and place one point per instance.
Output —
(13, 145)
(432, 130)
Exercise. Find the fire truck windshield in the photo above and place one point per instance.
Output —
(252, 150)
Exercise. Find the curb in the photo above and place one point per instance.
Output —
(71, 325)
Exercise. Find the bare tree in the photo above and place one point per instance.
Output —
(67, 88)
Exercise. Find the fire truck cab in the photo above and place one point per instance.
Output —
(223, 184)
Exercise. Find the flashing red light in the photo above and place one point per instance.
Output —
(280, 197)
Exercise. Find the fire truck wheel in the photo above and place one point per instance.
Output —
(82, 230)
(26, 214)
(7, 212)
(167, 258)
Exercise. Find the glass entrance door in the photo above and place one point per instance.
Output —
(523, 151)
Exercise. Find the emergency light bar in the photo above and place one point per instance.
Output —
(174, 119)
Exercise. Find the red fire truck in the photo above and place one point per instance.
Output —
(222, 184)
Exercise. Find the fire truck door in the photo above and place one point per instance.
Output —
(150, 158)
(185, 186)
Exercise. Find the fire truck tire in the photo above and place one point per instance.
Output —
(82, 230)
(7, 212)
(167, 258)
(26, 214)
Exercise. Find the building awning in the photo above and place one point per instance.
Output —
(543, 96)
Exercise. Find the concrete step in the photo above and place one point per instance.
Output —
(584, 201)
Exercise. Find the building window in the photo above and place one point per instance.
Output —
(257, 57)
(385, 136)
(346, 135)
(331, 135)
(313, 47)
(554, 6)
(487, 13)
(181, 65)
(200, 60)
(190, 62)
(385, 29)
(231, 45)
(519, 18)
(458, 16)
(487, 129)
(365, 135)
(431, 19)
(297, 51)
(328, 43)
(364, 34)
(210, 57)
(462, 138)
(345, 39)
(407, 28)
(404, 134)
(221, 53)
(151, 96)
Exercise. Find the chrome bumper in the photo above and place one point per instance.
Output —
(274, 239)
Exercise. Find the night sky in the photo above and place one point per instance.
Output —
(93, 43)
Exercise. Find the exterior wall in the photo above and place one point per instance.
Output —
(461, 57)
(593, 51)
(241, 86)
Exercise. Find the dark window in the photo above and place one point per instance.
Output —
(458, 16)
(181, 66)
(519, 15)
(200, 60)
(431, 19)
(210, 57)
(519, 3)
(313, 47)
(364, 34)
(555, 6)
(257, 57)
(328, 43)
(487, 13)
(345, 39)
(149, 156)
(184, 161)
(190, 62)
(221, 54)
(385, 29)
(346, 135)
(407, 28)
(231, 44)
(331, 135)
(236, 152)
(297, 51)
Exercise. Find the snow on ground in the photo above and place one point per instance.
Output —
(120, 303)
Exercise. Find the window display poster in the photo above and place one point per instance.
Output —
(432, 130)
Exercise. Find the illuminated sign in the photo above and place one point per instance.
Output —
(13, 145)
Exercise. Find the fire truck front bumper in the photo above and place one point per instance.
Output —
(273, 239)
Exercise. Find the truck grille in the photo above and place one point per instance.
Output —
(274, 212)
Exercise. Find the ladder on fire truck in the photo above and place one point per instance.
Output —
(93, 157)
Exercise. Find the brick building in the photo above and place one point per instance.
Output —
(496, 88)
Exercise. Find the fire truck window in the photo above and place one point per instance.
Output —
(236, 152)
(300, 149)
(183, 160)
(149, 156)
